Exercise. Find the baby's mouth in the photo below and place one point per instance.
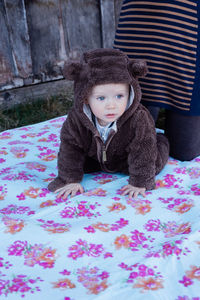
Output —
(110, 115)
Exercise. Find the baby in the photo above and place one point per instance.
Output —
(108, 129)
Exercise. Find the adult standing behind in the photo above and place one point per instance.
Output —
(167, 35)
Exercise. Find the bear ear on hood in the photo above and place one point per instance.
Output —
(72, 69)
(138, 68)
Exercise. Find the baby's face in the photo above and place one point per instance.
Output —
(108, 101)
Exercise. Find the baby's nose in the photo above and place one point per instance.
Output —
(111, 103)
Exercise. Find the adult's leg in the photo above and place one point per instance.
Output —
(183, 133)
(154, 111)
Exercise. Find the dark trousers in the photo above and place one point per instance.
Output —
(183, 133)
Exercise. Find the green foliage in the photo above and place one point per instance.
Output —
(36, 111)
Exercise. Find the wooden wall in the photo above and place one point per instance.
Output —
(36, 36)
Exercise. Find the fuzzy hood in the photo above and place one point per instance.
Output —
(103, 66)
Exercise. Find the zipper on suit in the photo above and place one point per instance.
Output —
(104, 156)
(102, 148)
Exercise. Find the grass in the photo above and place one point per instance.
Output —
(39, 110)
(36, 111)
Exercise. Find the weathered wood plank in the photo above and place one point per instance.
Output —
(18, 33)
(43, 25)
(6, 61)
(32, 93)
(81, 23)
(107, 22)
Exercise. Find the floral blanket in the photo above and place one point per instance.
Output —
(98, 245)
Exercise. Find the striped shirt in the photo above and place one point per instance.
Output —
(166, 35)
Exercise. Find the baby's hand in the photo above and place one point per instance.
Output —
(69, 189)
(133, 191)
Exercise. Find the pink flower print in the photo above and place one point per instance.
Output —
(122, 241)
(168, 182)
(3, 152)
(116, 198)
(46, 259)
(172, 161)
(18, 142)
(38, 254)
(5, 171)
(119, 224)
(53, 227)
(193, 273)
(150, 272)
(95, 250)
(51, 138)
(19, 152)
(64, 284)
(17, 248)
(19, 176)
(117, 207)
(179, 205)
(4, 264)
(65, 272)
(84, 209)
(83, 248)
(3, 191)
(5, 135)
(58, 120)
(106, 227)
(32, 192)
(195, 188)
(13, 225)
(21, 197)
(48, 155)
(102, 227)
(147, 284)
(31, 135)
(187, 298)
(172, 229)
(181, 170)
(36, 166)
(20, 284)
(107, 254)
(143, 277)
(68, 212)
(194, 172)
(153, 225)
(184, 207)
(167, 249)
(90, 229)
(138, 240)
(133, 275)
(103, 275)
(96, 192)
(104, 178)
(94, 281)
(33, 254)
(142, 206)
(186, 281)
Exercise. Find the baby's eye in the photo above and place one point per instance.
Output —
(101, 98)
(119, 96)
